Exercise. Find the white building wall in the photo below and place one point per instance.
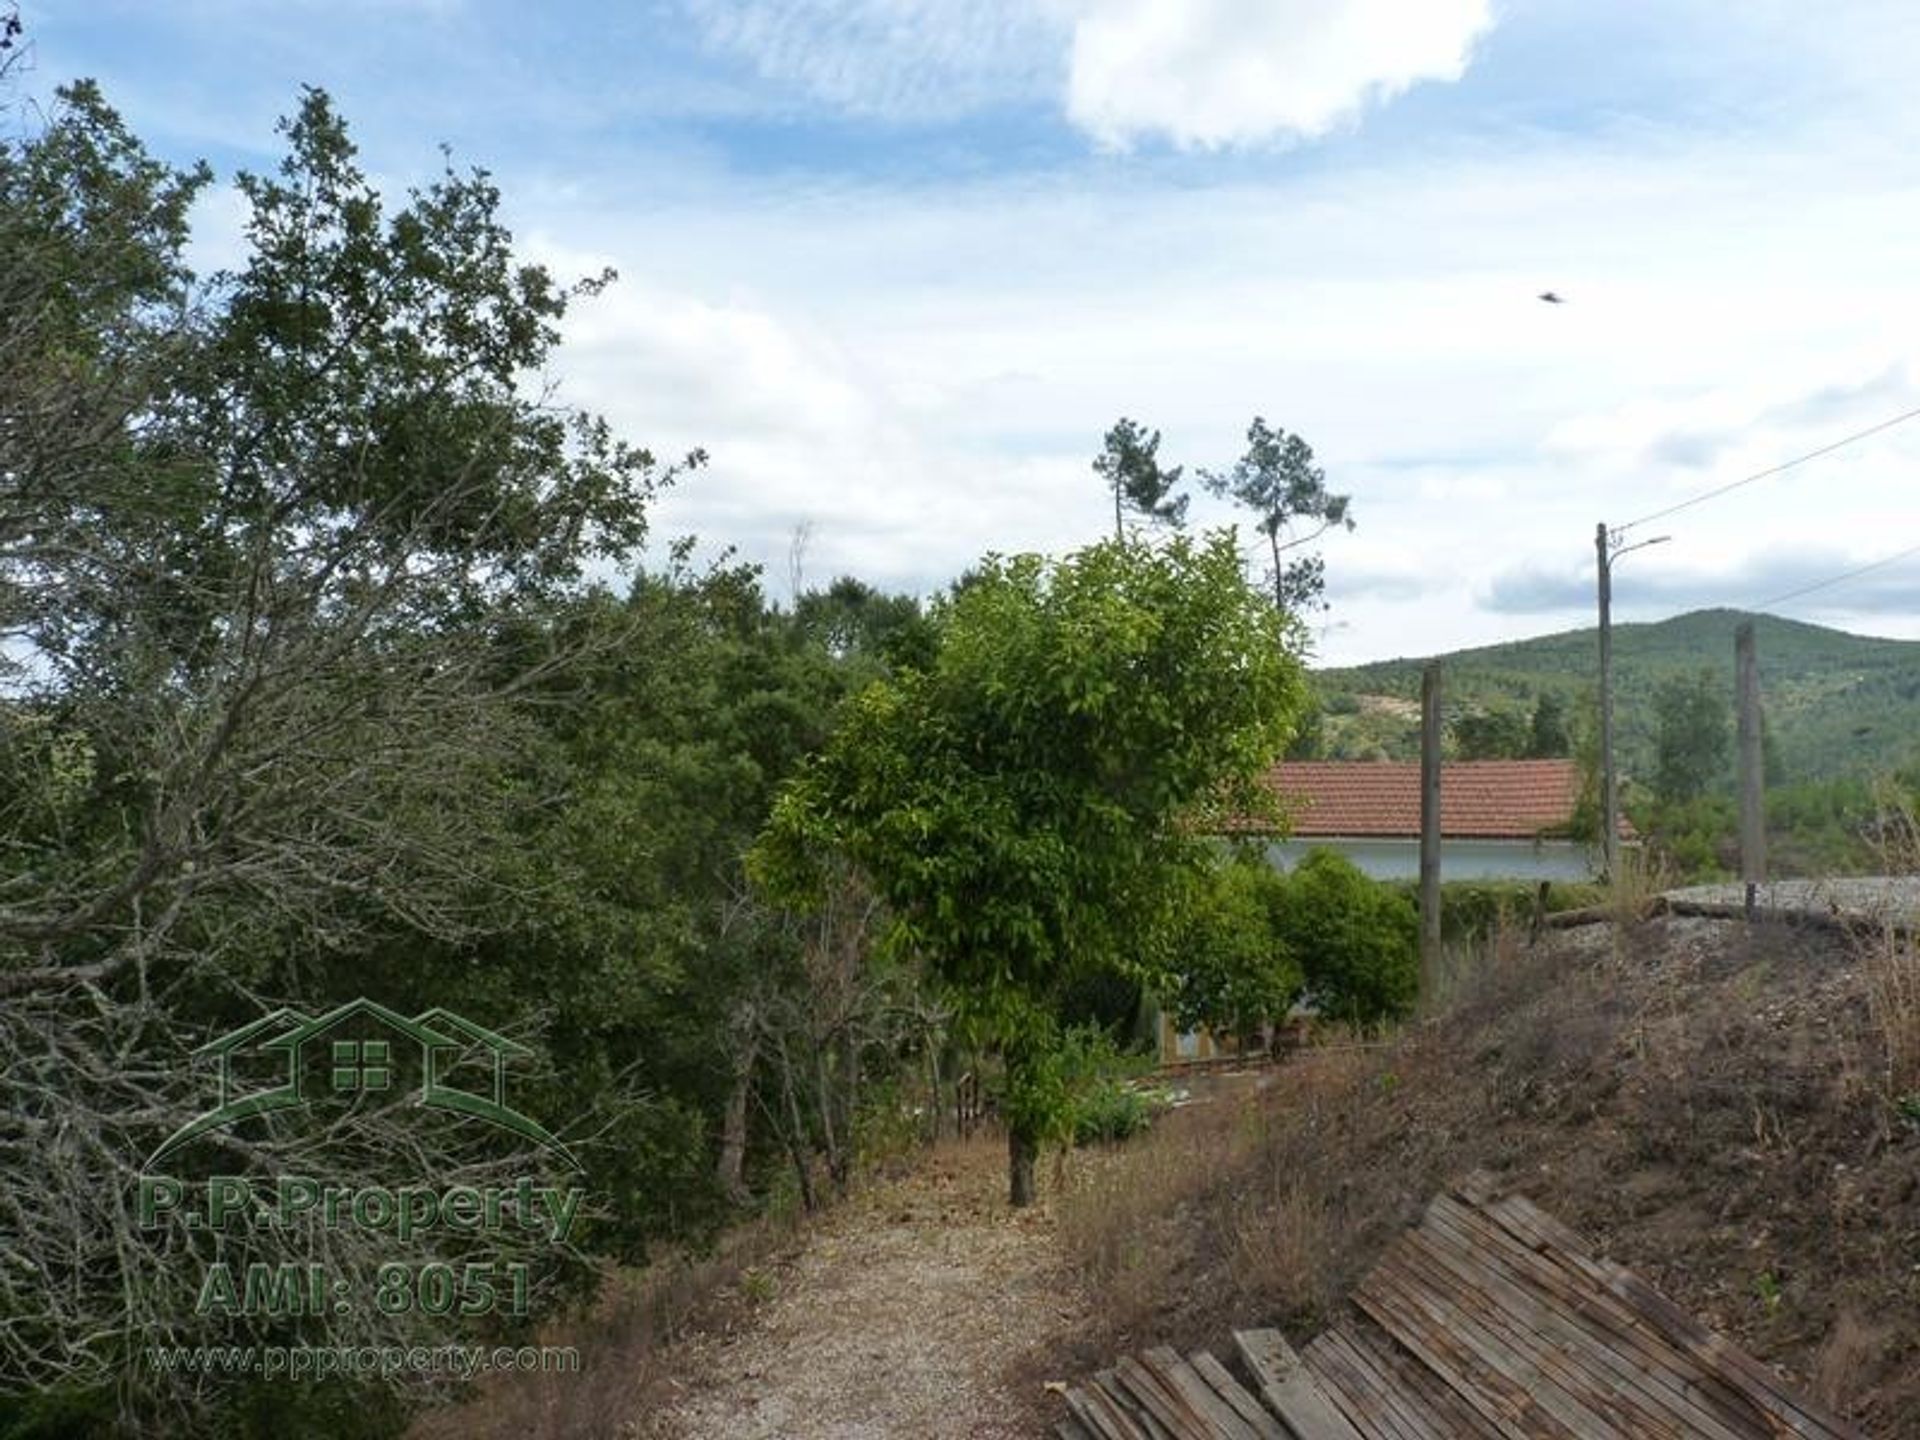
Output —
(1396, 859)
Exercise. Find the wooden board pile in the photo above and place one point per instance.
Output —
(1489, 1318)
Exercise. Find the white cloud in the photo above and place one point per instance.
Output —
(1209, 73)
(912, 59)
(1201, 73)
(870, 373)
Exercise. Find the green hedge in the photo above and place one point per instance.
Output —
(1471, 909)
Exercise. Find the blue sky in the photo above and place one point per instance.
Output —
(897, 264)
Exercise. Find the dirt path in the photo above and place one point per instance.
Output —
(917, 1308)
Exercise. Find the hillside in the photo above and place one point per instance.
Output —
(1730, 1111)
(1836, 704)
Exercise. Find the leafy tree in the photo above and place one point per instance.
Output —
(1236, 968)
(1356, 939)
(1129, 463)
(288, 552)
(1309, 740)
(1548, 737)
(1691, 740)
(852, 621)
(1277, 479)
(1498, 734)
(1021, 805)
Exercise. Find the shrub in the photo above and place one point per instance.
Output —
(1110, 1110)
(1473, 910)
(1356, 939)
(1236, 967)
(1078, 1091)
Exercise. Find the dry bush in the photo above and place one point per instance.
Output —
(1892, 963)
(1267, 1207)
(1226, 1205)
(1853, 1346)
(1892, 958)
(1641, 876)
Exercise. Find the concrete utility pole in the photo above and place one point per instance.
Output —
(1430, 829)
(1606, 550)
(1753, 813)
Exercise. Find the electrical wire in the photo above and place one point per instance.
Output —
(1835, 579)
(1785, 465)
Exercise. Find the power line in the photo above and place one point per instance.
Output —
(1719, 490)
(1836, 579)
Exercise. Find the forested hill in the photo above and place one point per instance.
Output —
(1836, 704)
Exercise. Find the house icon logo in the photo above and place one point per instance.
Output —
(363, 1049)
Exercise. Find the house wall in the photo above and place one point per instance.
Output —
(1397, 859)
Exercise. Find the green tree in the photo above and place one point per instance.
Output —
(1023, 805)
(1548, 737)
(1356, 938)
(289, 551)
(1498, 734)
(1691, 737)
(1236, 968)
(1277, 479)
(1129, 463)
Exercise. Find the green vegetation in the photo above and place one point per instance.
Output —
(1839, 714)
(309, 695)
(1016, 805)
(1838, 705)
(1357, 940)
(1472, 911)
(1257, 941)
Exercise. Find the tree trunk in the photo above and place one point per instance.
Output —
(1021, 1152)
(829, 1132)
(796, 1134)
(934, 1101)
(733, 1125)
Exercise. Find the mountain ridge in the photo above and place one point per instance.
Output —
(1837, 704)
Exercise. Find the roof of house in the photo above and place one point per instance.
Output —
(1479, 799)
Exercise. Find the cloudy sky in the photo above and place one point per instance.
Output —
(897, 264)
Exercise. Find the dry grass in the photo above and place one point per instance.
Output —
(1231, 1207)
(1696, 1095)
(1641, 876)
(1892, 964)
(1892, 960)
(638, 1314)
(1218, 1175)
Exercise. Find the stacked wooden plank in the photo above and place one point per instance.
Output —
(1488, 1319)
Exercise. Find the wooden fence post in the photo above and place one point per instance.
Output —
(1430, 830)
(1753, 809)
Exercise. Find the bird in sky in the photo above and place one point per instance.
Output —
(1551, 298)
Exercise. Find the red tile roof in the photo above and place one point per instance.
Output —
(1479, 799)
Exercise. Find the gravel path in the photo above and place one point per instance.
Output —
(1868, 897)
(910, 1311)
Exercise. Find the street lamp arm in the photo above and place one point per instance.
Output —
(1637, 545)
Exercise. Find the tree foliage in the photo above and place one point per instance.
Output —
(1276, 478)
(1548, 737)
(290, 569)
(1691, 739)
(1020, 804)
(1236, 967)
(1129, 463)
(1357, 940)
(1492, 734)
